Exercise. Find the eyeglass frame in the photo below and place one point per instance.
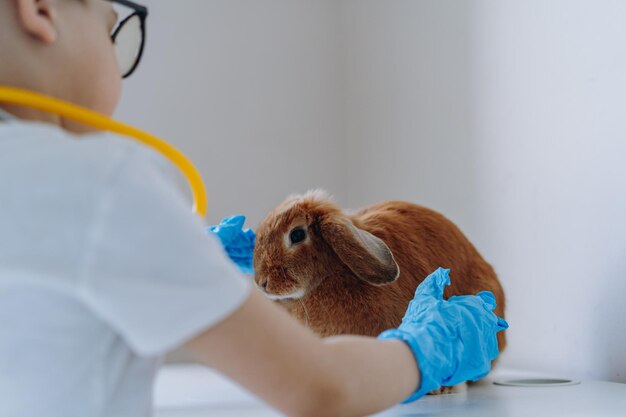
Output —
(141, 12)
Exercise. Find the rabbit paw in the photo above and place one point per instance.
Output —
(449, 390)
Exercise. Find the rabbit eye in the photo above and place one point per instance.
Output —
(297, 236)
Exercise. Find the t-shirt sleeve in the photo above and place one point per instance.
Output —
(152, 272)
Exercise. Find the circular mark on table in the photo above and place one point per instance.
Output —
(536, 382)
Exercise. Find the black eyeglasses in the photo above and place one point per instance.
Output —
(129, 37)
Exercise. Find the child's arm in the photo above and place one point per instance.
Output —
(261, 347)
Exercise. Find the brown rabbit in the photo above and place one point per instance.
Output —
(355, 273)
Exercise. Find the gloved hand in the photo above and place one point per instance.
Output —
(238, 243)
(454, 340)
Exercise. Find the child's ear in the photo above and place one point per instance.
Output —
(37, 18)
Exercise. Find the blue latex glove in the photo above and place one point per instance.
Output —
(238, 243)
(454, 340)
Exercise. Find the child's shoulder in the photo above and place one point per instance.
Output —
(39, 156)
(37, 146)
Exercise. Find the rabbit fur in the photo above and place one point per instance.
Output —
(355, 273)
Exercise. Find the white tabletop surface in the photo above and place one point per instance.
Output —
(194, 391)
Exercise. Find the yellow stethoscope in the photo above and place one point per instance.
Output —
(99, 121)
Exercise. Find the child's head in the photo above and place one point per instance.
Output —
(61, 48)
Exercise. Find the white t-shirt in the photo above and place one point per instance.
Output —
(103, 269)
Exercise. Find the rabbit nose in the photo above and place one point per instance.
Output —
(263, 283)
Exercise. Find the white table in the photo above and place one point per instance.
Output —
(194, 391)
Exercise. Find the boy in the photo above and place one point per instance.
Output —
(104, 269)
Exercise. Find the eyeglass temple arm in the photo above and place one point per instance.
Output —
(136, 7)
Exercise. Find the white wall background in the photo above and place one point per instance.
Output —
(250, 91)
(550, 136)
(506, 116)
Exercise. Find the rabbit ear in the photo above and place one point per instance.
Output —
(365, 254)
